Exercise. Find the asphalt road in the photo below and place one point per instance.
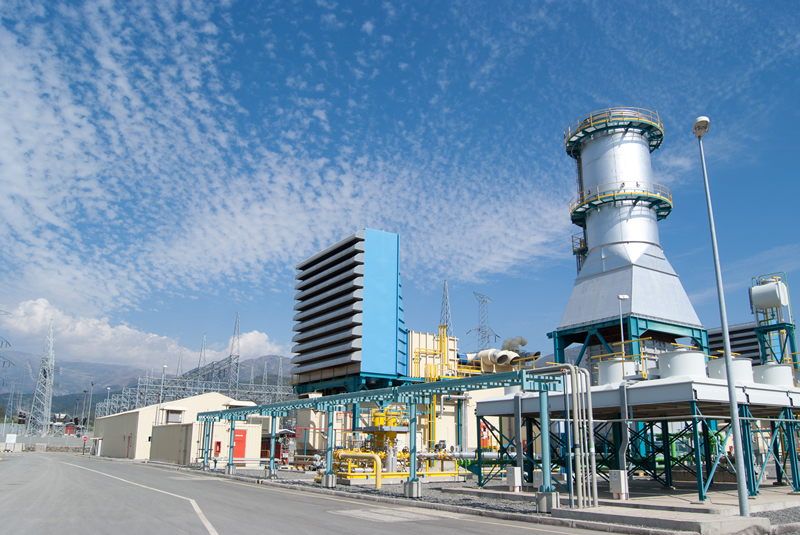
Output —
(63, 493)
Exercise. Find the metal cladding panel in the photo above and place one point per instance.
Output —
(608, 224)
(659, 295)
(616, 157)
(383, 314)
(653, 294)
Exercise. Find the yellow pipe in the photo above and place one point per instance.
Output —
(369, 457)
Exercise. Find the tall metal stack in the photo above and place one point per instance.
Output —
(623, 270)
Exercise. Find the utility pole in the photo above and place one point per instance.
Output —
(83, 411)
(89, 419)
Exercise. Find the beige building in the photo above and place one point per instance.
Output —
(170, 432)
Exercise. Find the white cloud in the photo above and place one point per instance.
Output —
(330, 22)
(79, 338)
(368, 27)
(737, 275)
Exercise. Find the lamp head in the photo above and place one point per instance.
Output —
(701, 125)
(623, 297)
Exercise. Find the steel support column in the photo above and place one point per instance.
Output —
(776, 453)
(518, 431)
(791, 446)
(206, 439)
(329, 444)
(459, 425)
(412, 487)
(544, 422)
(273, 424)
(698, 452)
(747, 450)
(665, 440)
(230, 446)
(707, 451)
(529, 466)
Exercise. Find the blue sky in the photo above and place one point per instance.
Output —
(165, 165)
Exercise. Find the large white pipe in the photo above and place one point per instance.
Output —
(498, 357)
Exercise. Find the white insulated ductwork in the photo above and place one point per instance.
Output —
(513, 344)
(496, 357)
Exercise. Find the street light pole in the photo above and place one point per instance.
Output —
(161, 392)
(701, 125)
(621, 328)
(108, 400)
(89, 416)
(83, 411)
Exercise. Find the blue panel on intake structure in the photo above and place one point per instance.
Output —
(382, 351)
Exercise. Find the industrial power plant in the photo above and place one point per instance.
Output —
(635, 394)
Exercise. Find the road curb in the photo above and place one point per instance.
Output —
(497, 515)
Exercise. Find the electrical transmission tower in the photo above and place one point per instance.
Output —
(484, 331)
(202, 361)
(39, 419)
(233, 379)
(179, 369)
(444, 318)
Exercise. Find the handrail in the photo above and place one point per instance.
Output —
(618, 189)
(610, 115)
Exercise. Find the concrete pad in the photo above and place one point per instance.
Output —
(490, 493)
(704, 524)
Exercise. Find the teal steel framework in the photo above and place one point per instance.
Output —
(636, 327)
(698, 448)
(411, 395)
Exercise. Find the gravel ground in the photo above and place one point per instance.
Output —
(431, 492)
(781, 516)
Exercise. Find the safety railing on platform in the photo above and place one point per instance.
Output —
(612, 115)
(613, 191)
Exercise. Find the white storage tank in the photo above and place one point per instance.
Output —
(682, 362)
(614, 371)
(773, 294)
(742, 370)
(774, 374)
